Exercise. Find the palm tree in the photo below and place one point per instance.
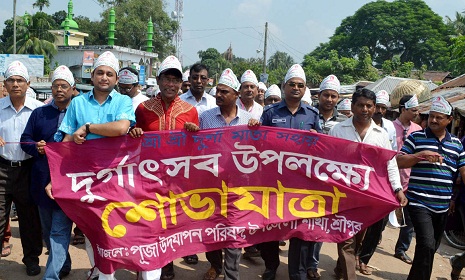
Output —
(41, 4)
(280, 60)
(457, 25)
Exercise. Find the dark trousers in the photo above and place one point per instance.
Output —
(14, 187)
(269, 251)
(303, 255)
(232, 258)
(346, 255)
(429, 228)
(371, 240)
(405, 234)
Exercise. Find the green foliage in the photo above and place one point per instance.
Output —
(97, 30)
(59, 17)
(457, 61)
(407, 28)
(41, 4)
(457, 25)
(280, 60)
(214, 61)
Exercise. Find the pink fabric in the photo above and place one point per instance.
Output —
(144, 202)
(405, 172)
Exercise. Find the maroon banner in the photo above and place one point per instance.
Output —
(145, 202)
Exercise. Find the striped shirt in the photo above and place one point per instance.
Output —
(430, 184)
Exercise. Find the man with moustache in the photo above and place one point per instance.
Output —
(249, 89)
(40, 129)
(361, 128)
(289, 113)
(260, 98)
(128, 84)
(102, 112)
(15, 165)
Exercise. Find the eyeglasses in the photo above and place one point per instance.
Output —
(299, 85)
(63, 87)
(125, 89)
(12, 81)
(171, 80)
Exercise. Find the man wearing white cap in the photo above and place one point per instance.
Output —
(15, 165)
(40, 129)
(434, 156)
(344, 107)
(196, 95)
(248, 90)
(128, 84)
(382, 103)
(272, 95)
(165, 111)
(260, 98)
(186, 83)
(226, 114)
(83, 119)
(289, 113)
(408, 107)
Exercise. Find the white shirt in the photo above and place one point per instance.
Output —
(256, 110)
(138, 99)
(12, 125)
(207, 101)
(391, 130)
(375, 136)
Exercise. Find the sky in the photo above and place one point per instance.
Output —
(296, 27)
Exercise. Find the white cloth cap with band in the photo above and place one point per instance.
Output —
(273, 90)
(345, 105)
(185, 75)
(126, 77)
(441, 105)
(171, 62)
(17, 68)
(228, 78)
(262, 86)
(412, 102)
(382, 97)
(249, 76)
(107, 59)
(296, 71)
(331, 82)
(62, 72)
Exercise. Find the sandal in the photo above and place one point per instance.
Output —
(78, 239)
(403, 257)
(6, 251)
(364, 269)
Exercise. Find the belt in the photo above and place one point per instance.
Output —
(13, 163)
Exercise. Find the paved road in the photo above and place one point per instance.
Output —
(385, 266)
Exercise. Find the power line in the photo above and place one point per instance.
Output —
(225, 28)
(286, 45)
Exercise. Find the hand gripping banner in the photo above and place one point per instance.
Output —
(147, 201)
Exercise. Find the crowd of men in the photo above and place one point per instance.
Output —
(421, 176)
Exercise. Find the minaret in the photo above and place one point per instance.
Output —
(111, 28)
(149, 47)
(66, 31)
(70, 10)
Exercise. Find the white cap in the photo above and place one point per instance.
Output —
(441, 105)
(62, 72)
(382, 97)
(261, 85)
(171, 62)
(228, 78)
(185, 75)
(412, 102)
(344, 105)
(296, 71)
(17, 68)
(107, 59)
(307, 96)
(127, 77)
(249, 76)
(212, 91)
(273, 90)
(31, 93)
(331, 82)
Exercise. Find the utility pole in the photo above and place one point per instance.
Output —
(14, 26)
(264, 48)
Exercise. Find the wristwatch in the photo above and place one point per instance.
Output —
(397, 190)
(88, 128)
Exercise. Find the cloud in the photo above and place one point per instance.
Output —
(253, 9)
(315, 33)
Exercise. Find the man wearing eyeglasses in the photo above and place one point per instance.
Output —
(196, 95)
(408, 107)
(289, 113)
(15, 165)
(165, 111)
(128, 84)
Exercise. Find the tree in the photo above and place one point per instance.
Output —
(458, 55)
(41, 4)
(458, 24)
(59, 17)
(280, 60)
(96, 30)
(132, 17)
(34, 38)
(214, 61)
(408, 28)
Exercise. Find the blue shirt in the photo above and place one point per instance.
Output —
(84, 108)
(12, 124)
(430, 184)
(278, 115)
(213, 118)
